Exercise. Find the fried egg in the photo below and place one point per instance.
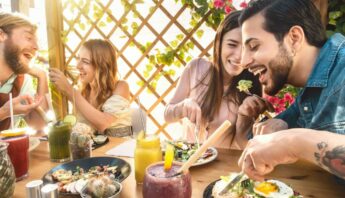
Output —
(273, 189)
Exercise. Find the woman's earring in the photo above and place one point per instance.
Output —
(293, 53)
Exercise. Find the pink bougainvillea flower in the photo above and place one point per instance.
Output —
(288, 97)
(230, 1)
(227, 9)
(218, 4)
(243, 4)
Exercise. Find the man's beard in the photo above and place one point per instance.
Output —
(280, 68)
(12, 57)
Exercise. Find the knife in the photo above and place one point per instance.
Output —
(232, 183)
(196, 132)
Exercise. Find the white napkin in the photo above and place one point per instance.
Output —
(125, 149)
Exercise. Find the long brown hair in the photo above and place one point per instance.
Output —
(211, 100)
(103, 59)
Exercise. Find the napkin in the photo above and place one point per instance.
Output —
(126, 149)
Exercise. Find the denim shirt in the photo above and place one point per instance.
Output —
(321, 103)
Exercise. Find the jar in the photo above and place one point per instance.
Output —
(58, 138)
(161, 183)
(80, 151)
(7, 175)
(147, 151)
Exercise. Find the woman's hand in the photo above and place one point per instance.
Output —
(191, 110)
(60, 81)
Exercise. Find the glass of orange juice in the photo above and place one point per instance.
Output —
(147, 151)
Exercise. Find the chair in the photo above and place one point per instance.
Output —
(138, 120)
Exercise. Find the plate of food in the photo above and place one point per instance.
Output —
(248, 188)
(72, 177)
(184, 150)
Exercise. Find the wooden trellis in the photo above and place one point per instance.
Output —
(70, 23)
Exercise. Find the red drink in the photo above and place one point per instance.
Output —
(158, 183)
(18, 152)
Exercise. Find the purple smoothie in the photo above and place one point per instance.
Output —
(159, 183)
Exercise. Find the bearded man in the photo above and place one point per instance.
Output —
(18, 45)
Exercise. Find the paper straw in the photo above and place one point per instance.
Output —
(11, 111)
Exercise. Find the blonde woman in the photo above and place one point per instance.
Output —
(103, 99)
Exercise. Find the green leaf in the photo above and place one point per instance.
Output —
(189, 58)
(174, 43)
(131, 44)
(335, 14)
(149, 67)
(190, 44)
(140, 83)
(102, 24)
(199, 33)
(180, 37)
(108, 19)
(202, 10)
(152, 59)
(82, 26)
(146, 74)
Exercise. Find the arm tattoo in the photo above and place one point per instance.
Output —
(333, 160)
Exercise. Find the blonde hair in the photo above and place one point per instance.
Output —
(103, 59)
(10, 21)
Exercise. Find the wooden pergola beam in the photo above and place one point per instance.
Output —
(56, 52)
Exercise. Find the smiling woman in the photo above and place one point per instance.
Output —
(103, 99)
(206, 93)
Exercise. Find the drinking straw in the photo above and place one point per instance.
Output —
(11, 111)
(210, 141)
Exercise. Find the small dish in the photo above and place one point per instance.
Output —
(85, 194)
(100, 139)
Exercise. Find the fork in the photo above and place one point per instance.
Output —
(250, 94)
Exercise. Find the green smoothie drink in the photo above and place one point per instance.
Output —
(58, 137)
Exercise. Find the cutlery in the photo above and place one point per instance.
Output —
(210, 141)
(232, 183)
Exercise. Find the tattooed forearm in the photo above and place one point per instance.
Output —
(333, 160)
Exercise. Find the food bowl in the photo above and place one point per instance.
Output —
(86, 194)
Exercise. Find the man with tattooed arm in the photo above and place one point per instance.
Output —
(285, 43)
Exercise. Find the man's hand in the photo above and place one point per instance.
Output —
(253, 106)
(269, 126)
(264, 152)
(23, 104)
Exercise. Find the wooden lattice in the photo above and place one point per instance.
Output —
(108, 19)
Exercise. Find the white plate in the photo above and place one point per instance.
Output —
(203, 161)
(209, 159)
(33, 143)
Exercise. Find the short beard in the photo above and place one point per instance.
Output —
(280, 67)
(11, 55)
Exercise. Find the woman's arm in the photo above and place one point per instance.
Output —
(98, 119)
(174, 109)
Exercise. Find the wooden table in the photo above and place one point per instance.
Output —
(308, 179)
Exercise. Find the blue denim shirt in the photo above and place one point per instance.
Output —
(321, 103)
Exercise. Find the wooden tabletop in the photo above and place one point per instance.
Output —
(308, 179)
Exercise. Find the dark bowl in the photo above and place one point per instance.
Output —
(123, 167)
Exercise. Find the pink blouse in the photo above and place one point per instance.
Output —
(189, 87)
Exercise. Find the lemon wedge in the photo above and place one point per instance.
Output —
(70, 119)
(169, 157)
(13, 132)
